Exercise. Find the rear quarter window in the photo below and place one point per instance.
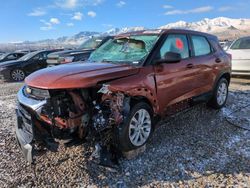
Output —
(200, 45)
(241, 44)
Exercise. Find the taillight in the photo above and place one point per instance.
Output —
(66, 60)
(230, 56)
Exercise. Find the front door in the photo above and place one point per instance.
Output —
(175, 81)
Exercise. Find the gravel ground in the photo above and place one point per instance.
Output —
(198, 148)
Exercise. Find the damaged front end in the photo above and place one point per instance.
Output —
(93, 114)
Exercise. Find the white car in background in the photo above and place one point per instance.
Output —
(240, 51)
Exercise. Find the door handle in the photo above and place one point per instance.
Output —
(217, 60)
(189, 66)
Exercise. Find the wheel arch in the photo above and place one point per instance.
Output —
(136, 99)
(225, 75)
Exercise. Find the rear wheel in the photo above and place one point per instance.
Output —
(137, 129)
(220, 94)
(17, 75)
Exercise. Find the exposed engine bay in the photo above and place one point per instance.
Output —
(76, 115)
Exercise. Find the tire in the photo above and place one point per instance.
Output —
(141, 132)
(220, 94)
(17, 75)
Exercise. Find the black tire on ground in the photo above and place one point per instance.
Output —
(126, 131)
(17, 75)
(220, 94)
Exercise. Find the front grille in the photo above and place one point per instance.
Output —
(24, 113)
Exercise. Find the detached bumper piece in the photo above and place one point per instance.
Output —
(25, 133)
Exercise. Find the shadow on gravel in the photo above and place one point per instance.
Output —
(192, 145)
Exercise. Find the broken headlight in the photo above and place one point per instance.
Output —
(36, 93)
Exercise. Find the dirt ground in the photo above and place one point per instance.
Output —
(198, 148)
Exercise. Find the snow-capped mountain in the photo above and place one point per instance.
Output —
(221, 26)
(115, 31)
(224, 28)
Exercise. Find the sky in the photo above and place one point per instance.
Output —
(33, 20)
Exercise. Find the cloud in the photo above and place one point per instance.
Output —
(77, 16)
(121, 3)
(37, 12)
(67, 4)
(49, 25)
(167, 6)
(54, 21)
(97, 2)
(225, 8)
(92, 14)
(70, 24)
(191, 11)
(74, 4)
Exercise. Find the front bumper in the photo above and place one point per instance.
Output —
(25, 125)
(24, 133)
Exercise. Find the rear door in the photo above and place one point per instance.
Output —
(175, 82)
(205, 61)
(240, 51)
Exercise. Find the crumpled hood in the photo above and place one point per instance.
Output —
(78, 75)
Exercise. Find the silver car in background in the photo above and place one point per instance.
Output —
(240, 51)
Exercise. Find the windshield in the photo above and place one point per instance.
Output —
(27, 56)
(131, 49)
(243, 43)
(91, 43)
(3, 56)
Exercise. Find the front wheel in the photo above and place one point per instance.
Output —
(220, 94)
(17, 75)
(137, 128)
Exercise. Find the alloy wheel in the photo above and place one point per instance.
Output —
(18, 75)
(140, 127)
(222, 93)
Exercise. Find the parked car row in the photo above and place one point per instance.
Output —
(16, 66)
(10, 56)
(240, 51)
(17, 70)
(82, 53)
(115, 98)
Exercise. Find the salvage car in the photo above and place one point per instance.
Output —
(82, 53)
(240, 51)
(17, 70)
(116, 98)
(11, 56)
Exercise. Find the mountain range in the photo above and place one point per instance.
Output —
(224, 28)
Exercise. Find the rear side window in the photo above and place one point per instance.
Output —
(175, 43)
(241, 44)
(11, 57)
(201, 46)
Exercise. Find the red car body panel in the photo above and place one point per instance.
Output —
(78, 75)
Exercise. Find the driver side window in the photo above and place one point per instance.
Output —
(40, 56)
(176, 43)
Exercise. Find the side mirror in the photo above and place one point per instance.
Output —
(170, 57)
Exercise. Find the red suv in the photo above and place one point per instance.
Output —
(127, 83)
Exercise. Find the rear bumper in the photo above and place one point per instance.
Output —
(238, 72)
